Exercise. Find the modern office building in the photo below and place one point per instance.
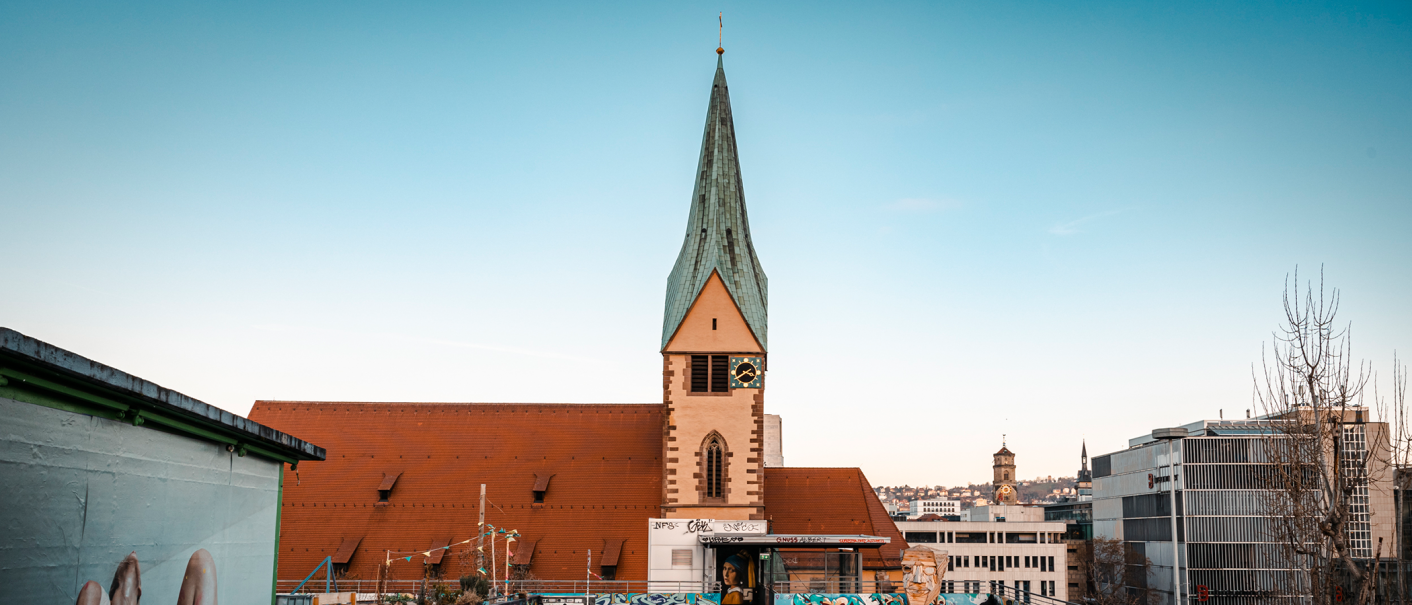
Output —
(1227, 551)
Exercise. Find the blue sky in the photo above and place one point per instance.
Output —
(1053, 222)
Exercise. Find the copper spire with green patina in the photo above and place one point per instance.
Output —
(718, 231)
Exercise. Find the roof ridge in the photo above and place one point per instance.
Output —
(451, 403)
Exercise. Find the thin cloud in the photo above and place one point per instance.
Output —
(1072, 227)
(918, 204)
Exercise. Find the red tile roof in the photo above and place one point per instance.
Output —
(605, 459)
(831, 501)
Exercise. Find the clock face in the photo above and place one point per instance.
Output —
(746, 373)
(1005, 490)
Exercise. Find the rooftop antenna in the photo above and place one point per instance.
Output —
(720, 30)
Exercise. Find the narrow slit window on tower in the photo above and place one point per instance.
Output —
(720, 373)
(713, 323)
(715, 474)
(700, 368)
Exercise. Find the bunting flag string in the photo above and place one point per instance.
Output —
(510, 537)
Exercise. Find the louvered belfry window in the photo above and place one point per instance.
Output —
(720, 373)
(715, 471)
(700, 368)
(710, 373)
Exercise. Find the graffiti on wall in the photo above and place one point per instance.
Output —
(840, 599)
(665, 598)
(881, 599)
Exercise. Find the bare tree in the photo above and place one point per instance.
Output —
(1401, 454)
(1116, 573)
(1323, 453)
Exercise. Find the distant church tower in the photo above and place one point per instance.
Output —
(1004, 483)
(1084, 485)
(713, 342)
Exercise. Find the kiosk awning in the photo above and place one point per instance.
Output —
(796, 541)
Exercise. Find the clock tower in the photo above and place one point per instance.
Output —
(1004, 482)
(713, 342)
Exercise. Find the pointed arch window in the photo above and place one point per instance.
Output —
(715, 459)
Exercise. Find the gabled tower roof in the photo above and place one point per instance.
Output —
(718, 231)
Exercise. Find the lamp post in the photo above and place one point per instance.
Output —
(1171, 436)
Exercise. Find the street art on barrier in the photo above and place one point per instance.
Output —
(668, 598)
(840, 599)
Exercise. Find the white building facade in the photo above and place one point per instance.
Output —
(981, 555)
(918, 508)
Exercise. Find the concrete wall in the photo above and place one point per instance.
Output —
(80, 493)
(774, 441)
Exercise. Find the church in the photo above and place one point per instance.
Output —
(671, 491)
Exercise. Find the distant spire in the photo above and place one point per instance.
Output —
(1084, 455)
(717, 230)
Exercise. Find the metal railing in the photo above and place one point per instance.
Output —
(513, 587)
(369, 590)
(834, 585)
(1010, 594)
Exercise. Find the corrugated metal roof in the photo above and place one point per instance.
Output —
(718, 230)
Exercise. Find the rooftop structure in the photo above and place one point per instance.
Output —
(104, 471)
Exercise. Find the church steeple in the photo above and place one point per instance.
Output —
(718, 231)
(713, 343)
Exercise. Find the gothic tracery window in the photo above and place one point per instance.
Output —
(715, 467)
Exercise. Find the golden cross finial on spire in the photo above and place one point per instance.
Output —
(720, 31)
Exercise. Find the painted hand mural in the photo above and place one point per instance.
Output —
(198, 586)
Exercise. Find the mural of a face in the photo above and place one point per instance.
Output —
(730, 575)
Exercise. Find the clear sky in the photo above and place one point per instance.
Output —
(1054, 221)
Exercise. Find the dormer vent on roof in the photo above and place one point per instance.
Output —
(524, 552)
(389, 480)
(346, 550)
(608, 565)
(438, 549)
(541, 485)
